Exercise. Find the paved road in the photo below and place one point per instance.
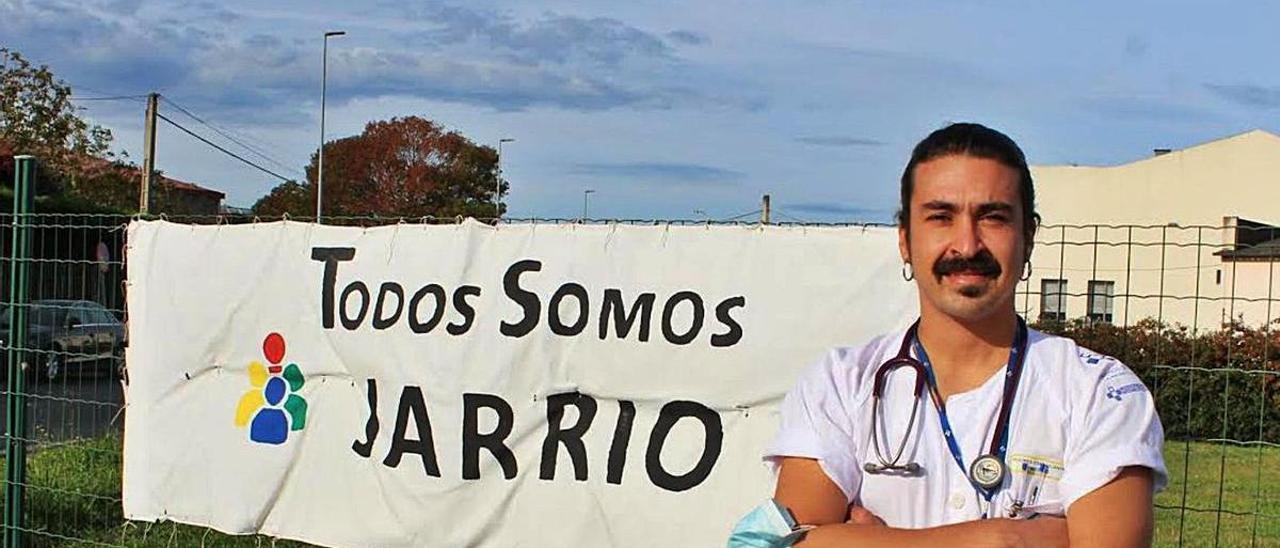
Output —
(72, 408)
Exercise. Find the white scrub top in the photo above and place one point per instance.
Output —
(1078, 418)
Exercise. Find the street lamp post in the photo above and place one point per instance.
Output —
(324, 77)
(497, 191)
(585, 194)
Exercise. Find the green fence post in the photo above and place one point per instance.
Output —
(15, 432)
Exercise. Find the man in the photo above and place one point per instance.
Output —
(1050, 444)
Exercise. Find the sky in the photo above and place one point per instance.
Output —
(664, 109)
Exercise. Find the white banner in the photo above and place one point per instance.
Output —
(471, 385)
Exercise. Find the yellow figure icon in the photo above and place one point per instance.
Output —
(252, 400)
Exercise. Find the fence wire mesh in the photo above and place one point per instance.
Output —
(1189, 308)
(1192, 310)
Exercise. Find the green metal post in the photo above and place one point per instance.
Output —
(15, 433)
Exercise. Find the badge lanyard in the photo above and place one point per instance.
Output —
(991, 466)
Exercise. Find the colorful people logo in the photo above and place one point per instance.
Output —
(272, 408)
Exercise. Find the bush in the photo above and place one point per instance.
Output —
(1219, 384)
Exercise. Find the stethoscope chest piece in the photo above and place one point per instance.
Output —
(987, 471)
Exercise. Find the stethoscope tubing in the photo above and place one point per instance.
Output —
(903, 359)
(999, 441)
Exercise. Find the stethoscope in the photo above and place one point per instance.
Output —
(988, 471)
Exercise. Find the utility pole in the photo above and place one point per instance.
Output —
(764, 210)
(148, 153)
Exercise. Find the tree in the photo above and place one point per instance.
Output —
(402, 167)
(37, 117)
(77, 172)
(289, 197)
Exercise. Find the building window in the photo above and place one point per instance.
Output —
(1053, 302)
(1102, 296)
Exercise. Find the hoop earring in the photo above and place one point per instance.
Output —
(1026, 272)
(908, 273)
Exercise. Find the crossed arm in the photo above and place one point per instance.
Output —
(1116, 514)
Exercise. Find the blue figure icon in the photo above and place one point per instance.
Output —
(270, 425)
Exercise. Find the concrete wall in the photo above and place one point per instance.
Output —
(1170, 214)
(1256, 292)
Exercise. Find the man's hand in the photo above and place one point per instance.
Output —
(813, 499)
(1047, 531)
(861, 516)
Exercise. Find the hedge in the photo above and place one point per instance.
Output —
(1220, 384)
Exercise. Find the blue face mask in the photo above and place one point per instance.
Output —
(768, 525)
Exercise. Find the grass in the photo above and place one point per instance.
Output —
(73, 499)
(1252, 486)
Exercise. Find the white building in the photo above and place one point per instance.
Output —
(1188, 236)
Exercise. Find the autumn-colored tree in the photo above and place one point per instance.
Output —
(402, 167)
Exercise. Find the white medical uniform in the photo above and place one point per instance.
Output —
(1078, 418)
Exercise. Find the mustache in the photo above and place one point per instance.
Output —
(982, 263)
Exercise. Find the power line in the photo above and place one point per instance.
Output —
(223, 132)
(792, 217)
(99, 91)
(736, 217)
(110, 98)
(224, 151)
(228, 135)
(267, 147)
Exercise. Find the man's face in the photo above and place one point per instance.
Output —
(966, 242)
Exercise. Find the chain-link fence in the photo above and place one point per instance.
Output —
(1192, 310)
(1189, 308)
(64, 342)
